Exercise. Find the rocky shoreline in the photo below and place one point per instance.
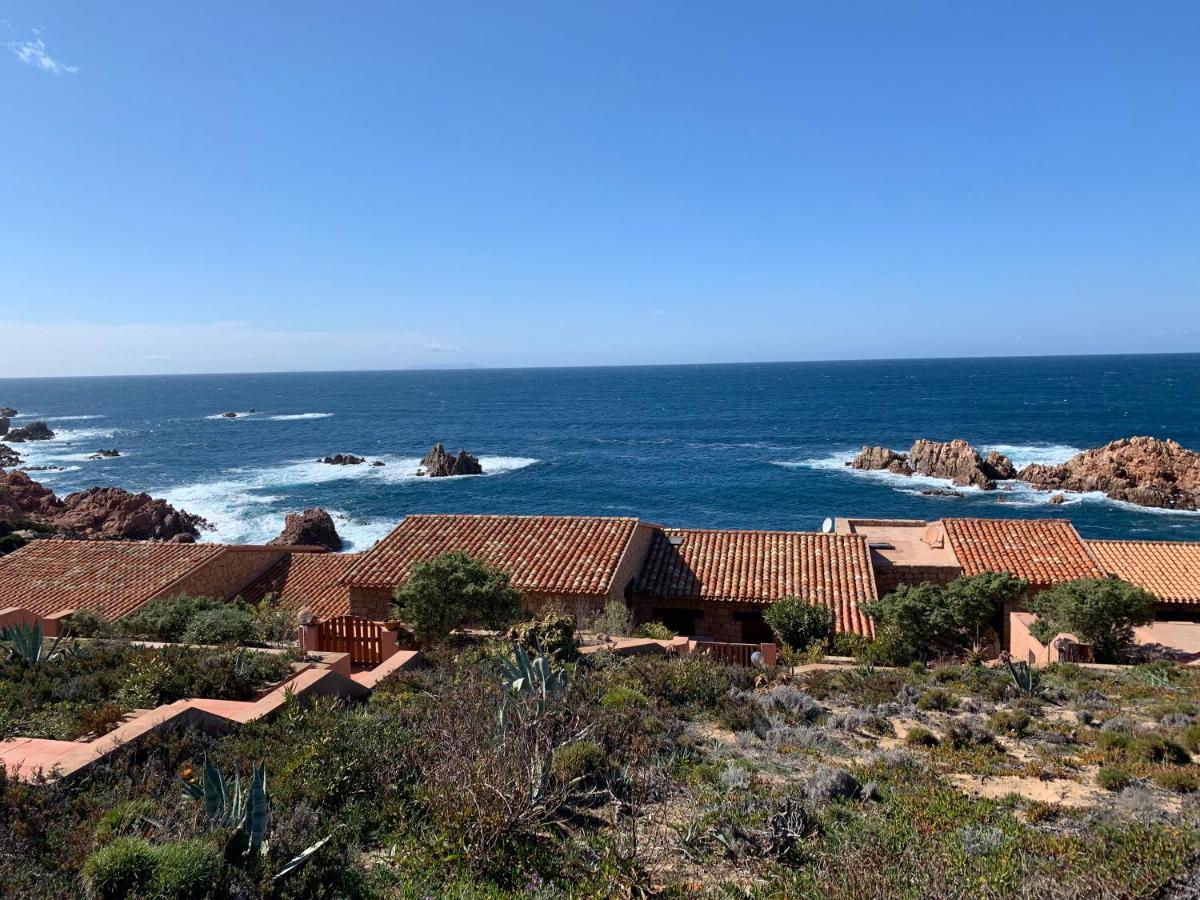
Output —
(1141, 470)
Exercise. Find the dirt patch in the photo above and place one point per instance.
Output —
(1055, 790)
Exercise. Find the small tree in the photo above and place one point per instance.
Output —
(976, 602)
(798, 623)
(1099, 611)
(453, 590)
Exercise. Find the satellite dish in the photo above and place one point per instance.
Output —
(827, 526)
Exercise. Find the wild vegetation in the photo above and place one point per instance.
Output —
(498, 772)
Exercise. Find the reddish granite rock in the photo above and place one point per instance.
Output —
(440, 464)
(342, 459)
(1058, 498)
(110, 513)
(882, 459)
(313, 527)
(1142, 470)
(9, 457)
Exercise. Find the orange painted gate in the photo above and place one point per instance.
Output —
(361, 638)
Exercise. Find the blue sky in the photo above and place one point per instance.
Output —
(228, 186)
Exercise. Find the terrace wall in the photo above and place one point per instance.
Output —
(889, 575)
(228, 573)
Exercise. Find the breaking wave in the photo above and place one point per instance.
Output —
(296, 417)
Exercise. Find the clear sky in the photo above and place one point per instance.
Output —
(233, 186)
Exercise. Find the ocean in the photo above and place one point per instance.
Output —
(722, 446)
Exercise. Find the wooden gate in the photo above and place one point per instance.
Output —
(736, 654)
(361, 638)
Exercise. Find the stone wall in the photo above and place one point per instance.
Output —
(230, 572)
(889, 575)
(371, 603)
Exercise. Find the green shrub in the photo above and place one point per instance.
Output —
(124, 868)
(1113, 778)
(622, 697)
(654, 630)
(126, 818)
(187, 870)
(166, 618)
(1114, 740)
(579, 760)
(798, 623)
(85, 623)
(230, 624)
(936, 699)
(1190, 738)
(452, 591)
(1013, 722)
(615, 620)
(846, 643)
(550, 633)
(1181, 781)
(694, 681)
(1099, 611)
(1155, 748)
(919, 736)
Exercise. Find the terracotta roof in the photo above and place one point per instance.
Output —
(1168, 569)
(763, 566)
(543, 554)
(1042, 551)
(307, 581)
(112, 578)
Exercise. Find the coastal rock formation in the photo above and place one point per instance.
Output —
(1142, 470)
(9, 457)
(1058, 499)
(313, 527)
(440, 464)
(229, 415)
(940, 492)
(881, 458)
(955, 460)
(34, 431)
(105, 454)
(4, 424)
(8, 412)
(342, 459)
(110, 513)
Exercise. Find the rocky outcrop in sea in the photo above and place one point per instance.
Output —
(438, 463)
(96, 513)
(955, 461)
(313, 527)
(1142, 470)
(34, 431)
(9, 457)
(342, 459)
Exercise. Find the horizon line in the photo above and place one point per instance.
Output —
(475, 367)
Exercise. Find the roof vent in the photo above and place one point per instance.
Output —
(881, 545)
(676, 540)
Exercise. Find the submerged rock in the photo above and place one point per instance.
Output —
(105, 454)
(1142, 470)
(313, 527)
(34, 431)
(229, 415)
(439, 464)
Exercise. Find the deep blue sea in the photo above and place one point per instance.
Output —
(748, 446)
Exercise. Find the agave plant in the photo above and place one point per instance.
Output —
(536, 678)
(242, 809)
(27, 645)
(1026, 679)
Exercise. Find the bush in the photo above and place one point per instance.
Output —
(936, 699)
(452, 591)
(1154, 748)
(1178, 780)
(1099, 611)
(187, 870)
(579, 760)
(928, 620)
(798, 623)
(166, 618)
(124, 868)
(656, 631)
(550, 633)
(969, 733)
(921, 737)
(1190, 738)
(229, 624)
(1013, 722)
(615, 620)
(1113, 778)
(1113, 740)
(622, 697)
(846, 643)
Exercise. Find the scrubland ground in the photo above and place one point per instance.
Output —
(658, 777)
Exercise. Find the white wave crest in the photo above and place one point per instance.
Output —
(70, 418)
(296, 417)
(1023, 455)
(244, 506)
